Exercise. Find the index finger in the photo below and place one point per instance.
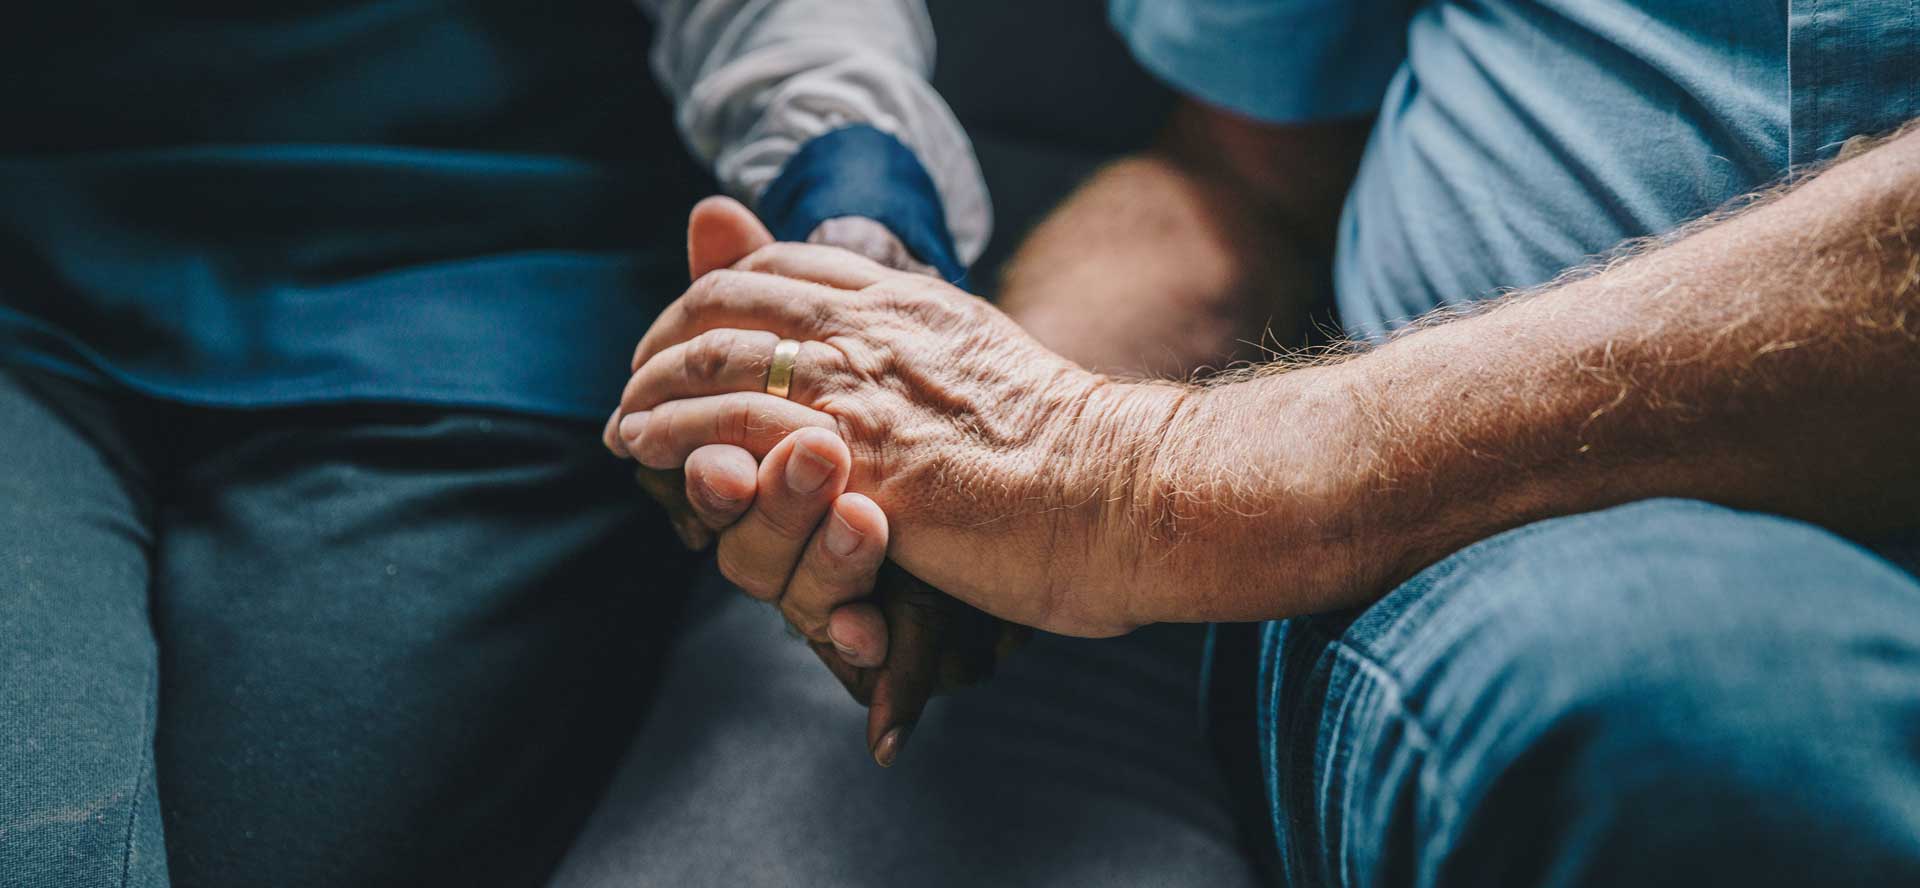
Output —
(748, 300)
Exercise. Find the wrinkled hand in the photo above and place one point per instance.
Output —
(995, 458)
(890, 639)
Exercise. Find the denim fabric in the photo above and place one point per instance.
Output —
(862, 171)
(406, 646)
(79, 669)
(325, 646)
(1664, 693)
(1574, 703)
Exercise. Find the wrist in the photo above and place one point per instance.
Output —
(1264, 501)
(1104, 446)
(1457, 454)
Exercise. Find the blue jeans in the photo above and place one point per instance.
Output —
(327, 646)
(410, 646)
(1662, 693)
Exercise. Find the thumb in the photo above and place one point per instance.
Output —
(720, 232)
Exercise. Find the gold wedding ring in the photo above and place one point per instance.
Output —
(780, 372)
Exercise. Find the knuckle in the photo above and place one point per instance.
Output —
(896, 301)
(791, 523)
(655, 442)
(733, 424)
(707, 355)
(700, 292)
(821, 369)
(823, 314)
(712, 290)
(805, 620)
(738, 572)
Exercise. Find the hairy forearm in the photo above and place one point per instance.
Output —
(1766, 361)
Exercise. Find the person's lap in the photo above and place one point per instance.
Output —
(351, 645)
(1662, 692)
(393, 645)
(1081, 763)
(78, 663)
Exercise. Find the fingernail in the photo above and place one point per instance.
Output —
(611, 434)
(807, 470)
(846, 650)
(633, 426)
(720, 502)
(842, 539)
(888, 749)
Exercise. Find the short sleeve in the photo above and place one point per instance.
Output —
(1280, 61)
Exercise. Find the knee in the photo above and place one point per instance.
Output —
(1677, 675)
(1671, 603)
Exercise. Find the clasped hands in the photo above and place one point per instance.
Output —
(921, 425)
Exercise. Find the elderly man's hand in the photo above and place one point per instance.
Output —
(720, 232)
(998, 460)
(891, 640)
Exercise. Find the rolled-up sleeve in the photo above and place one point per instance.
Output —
(1279, 61)
(809, 109)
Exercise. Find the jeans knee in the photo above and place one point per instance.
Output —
(1670, 676)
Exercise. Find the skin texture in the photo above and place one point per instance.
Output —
(702, 391)
(1187, 230)
(1762, 361)
(1224, 226)
(787, 535)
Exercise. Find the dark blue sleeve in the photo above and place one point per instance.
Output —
(861, 171)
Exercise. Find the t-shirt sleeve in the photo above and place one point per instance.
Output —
(1280, 61)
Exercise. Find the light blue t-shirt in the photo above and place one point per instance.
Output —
(1516, 139)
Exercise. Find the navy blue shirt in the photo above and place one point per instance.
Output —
(462, 202)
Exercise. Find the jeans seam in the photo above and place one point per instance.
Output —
(1420, 738)
(1372, 668)
(1433, 579)
(1346, 800)
(140, 778)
